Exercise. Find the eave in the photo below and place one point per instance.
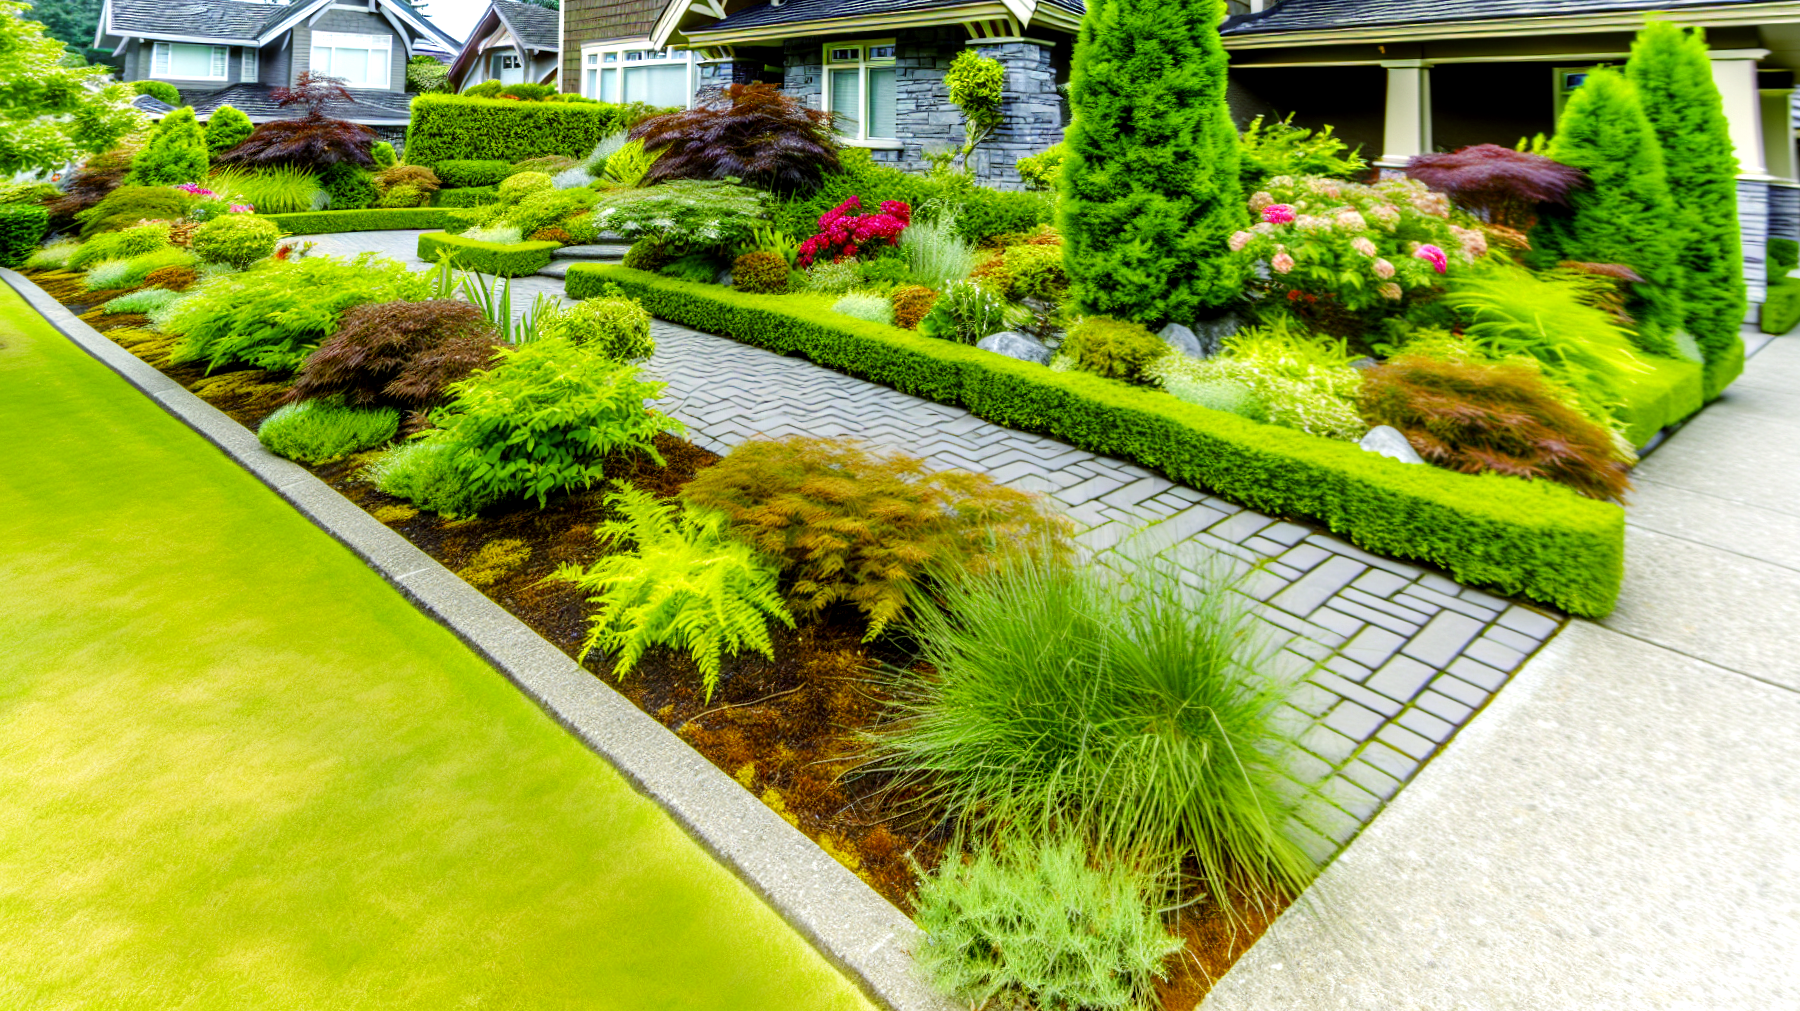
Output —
(930, 17)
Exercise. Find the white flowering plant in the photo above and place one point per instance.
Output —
(684, 213)
(1354, 247)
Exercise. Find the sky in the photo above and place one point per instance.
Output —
(456, 17)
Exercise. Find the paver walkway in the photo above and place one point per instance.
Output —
(238, 770)
(1408, 655)
(1620, 829)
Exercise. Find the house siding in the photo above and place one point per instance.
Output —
(277, 61)
(354, 22)
(137, 68)
(590, 21)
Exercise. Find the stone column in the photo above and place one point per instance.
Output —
(1408, 126)
(1031, 108)
(717, 75)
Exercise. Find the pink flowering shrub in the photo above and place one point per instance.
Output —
(843, 233)
(1354, 249)
(193, 190)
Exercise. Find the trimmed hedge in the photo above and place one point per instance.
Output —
(1672, 390)
(1781, 307)
(374, 219)
(22, 227)
(1536, 538)
(468, 196)
(467, 172)
(447, 127)
(515, 260)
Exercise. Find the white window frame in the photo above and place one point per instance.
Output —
(250, 70)
(616, 57)
(833, 57)
(382, 44)
(162, 61)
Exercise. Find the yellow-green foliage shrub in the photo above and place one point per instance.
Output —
(1114, 348)
(236, 239)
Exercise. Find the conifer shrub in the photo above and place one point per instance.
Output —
(350, 186)
(22, 227)
(850, 527)
(1039, 170)
(1672, 72)
(1116, 349)
(612, 326)
(681, 581)
(121, 245)
(162, 91)
(1150, 187)
(1625, 215)
(549, 164)
(321, 431)
(400, 354)
(466, 172)
(911, 304)
(125, 206)
(1035, 271)
(383, 155)
(1044, 924)
(517, 187)
(761, 271)
(237, 240)
(226, 128)
(419, 180)
(1494, 416)
(176, 153)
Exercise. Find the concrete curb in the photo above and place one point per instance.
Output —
(851, 924)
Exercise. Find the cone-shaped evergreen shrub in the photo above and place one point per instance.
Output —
(1150, 188)
(177, 153)
(1673, 75)
(1625, 215)
(227, 128)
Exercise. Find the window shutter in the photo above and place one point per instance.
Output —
(220, 55)
(159, 59)
(250, 65)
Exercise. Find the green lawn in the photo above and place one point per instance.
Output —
(237, 770)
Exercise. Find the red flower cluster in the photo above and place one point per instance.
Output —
(843, 233)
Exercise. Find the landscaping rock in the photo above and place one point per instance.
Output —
(1387, 440)
(724, 277)
(1212, 332)
(1182, 339)
(1014, 344)
(1365, 362)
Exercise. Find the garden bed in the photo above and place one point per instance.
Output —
(788, 729)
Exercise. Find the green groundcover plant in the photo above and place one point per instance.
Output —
(320, 431)
(682, 581)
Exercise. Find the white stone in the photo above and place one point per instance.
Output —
(1387, 440)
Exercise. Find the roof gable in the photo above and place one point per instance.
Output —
(231, 22)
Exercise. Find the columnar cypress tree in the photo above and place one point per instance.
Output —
(1673, 75)
(1625, 214)
(1150, 190)
(175, 154)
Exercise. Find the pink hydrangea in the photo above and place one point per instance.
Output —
(1362, 245)
(1435, 204)
(1239, 240)
(1387, 214)
(1390, 290)
(1473, 242)
(1351, 220)
(243, 208)
(1433, 255)
(843, 234)
(1260, 200)
(1282, 262)
(1383, 269)
(1278, 214)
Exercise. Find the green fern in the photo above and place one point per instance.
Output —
(687, 584)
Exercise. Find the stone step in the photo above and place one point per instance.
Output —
(597, 251)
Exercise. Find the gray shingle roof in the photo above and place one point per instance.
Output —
(537, 27)
(1320, 15)
(211, 19)
(258, 102)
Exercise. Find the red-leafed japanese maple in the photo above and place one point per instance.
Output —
(1501, 417)
(754, 132)
(1500, 184)
(401, 354)
(313, 141)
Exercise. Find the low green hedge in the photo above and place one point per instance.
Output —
(1537, 538)
(467, 196)
(375, 219)
(22, 227)
(1671, 391)
(447, 127)
(515, 260)
(458, 172)
(1781, 308)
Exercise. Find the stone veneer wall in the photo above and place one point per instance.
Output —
(1753, 226)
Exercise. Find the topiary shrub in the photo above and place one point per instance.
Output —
(237, 240)
(383, 153)
(1035, 272)
(976, 84)
(612, 326)
(172, 278)
(1784, 255)
(401, 354)
(162, 91)
(1114, 348)
(404, 195)
(1501, 417)
(226, 128)
(760, 271)
(350, 186)
(859, 529)
(647, 254)
(474, 173)
(176, 153)
(468, 126)
(517, 187)
(911, 304)
(22, 227)
(320, 431)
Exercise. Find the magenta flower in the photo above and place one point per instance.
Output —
(1278, 214)
(243, 208)
(1434, 256)
(195, 191)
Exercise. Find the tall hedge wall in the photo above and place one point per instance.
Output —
(1537, 538)
(453, 127)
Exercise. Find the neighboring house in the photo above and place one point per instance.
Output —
(513, 43)
(608, 54)
(1403, 77)
(220, 52)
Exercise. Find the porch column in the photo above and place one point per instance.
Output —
(1734, 72)
(1030, 107)
(1778, 133)
(1408, 128)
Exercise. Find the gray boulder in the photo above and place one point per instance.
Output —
(1212, 332)
(1387, 440)
(1014, 344)
(1182, 339)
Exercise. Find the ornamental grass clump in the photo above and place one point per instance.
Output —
(1139, 711)
(110, 274)
(1043, 923)
(936, 254)
(681, 581)
(146, 301)
(320, 431)
(403, 354)
(1502, 417)
(753, 132)
(851, 527)
(278, 189)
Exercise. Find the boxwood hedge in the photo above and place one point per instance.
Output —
(22, 227)
(447, 127)
(372, 220)
(1534, 538)
(467, 196)
(514, 260)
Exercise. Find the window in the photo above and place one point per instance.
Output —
(860, 88)
(361, 60)
(635, 74)
(185, 62)
(250, 68)
(510, 62)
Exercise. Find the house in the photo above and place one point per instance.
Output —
(235, 52)
(1403, 77)
(515, 42)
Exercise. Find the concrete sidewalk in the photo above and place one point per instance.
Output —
(1620, 828)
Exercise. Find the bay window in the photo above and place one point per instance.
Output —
(860, 90)
(184, 61)
(363, 61)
